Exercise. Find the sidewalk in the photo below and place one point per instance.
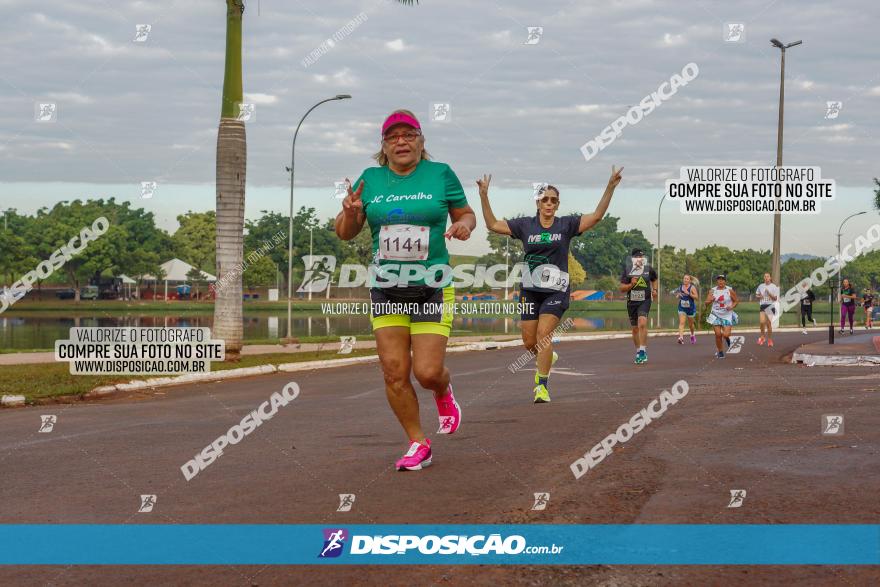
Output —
(464, 344)
(855, 350)
(262, 349)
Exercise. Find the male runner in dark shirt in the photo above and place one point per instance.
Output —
(639, 282)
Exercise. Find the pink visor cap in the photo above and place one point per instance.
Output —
(399, 118)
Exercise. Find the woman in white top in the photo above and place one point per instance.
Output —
(722, 317)
(768, 294)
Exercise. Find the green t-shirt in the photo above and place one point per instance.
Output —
(407, 214)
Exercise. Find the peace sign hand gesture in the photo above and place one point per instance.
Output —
(615, 177)
(483, 184)
(352, 204)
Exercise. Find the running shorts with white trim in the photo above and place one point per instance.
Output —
(424, 310)
(636, 309)
(535, 303)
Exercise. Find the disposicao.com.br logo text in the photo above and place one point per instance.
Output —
(452, 544)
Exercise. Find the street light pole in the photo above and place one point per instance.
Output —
(839, 234)
(311, 230)
(839, 275)
(290, 223)
(659, 206)
(776, 265)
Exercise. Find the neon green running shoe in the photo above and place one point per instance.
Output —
(542, 396)
(552, 362)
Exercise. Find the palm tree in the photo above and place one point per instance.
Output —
(231, 167)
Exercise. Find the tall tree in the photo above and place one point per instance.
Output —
(603, 249)
(576, 273)
(877, 193)
(231, 168)
(261, 272)
(324, 240)
(266, 229)
(131, 244)
(17, 253)
(193, 240)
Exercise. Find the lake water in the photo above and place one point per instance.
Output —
(40, 330)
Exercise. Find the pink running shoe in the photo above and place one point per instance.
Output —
(693, 339)
(416, 458)
(449, 413)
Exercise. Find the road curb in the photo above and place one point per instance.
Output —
(326, 364)
(836, 360)
(106, 390)
(134, 385)
(12, 400)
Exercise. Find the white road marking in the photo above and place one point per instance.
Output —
(563, 371)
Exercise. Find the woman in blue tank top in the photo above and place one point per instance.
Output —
(687, 307)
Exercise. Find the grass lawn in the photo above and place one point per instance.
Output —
(42, 381)
(176, 308)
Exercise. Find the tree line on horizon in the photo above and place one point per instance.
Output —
(135, 246)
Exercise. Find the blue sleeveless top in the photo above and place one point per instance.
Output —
(686, 302)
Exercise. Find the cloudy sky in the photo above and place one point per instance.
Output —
(147, 111)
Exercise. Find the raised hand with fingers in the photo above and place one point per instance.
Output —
(352, 204)
(615, 177)
(483, 184)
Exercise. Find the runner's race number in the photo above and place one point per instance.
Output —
(404, 242)
(637, 295)
(685, 303)
(554, 278)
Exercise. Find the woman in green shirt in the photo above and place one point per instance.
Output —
(406, 201)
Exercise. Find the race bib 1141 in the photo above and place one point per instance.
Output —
(404, 242)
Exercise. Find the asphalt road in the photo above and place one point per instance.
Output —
(751, 421)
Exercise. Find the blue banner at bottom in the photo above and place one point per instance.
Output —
(251, 544)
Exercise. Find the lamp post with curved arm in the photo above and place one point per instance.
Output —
(776, 264)
(290, 224)
(659, 206)
(839, 275)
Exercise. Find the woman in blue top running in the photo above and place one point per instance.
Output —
(687, 307)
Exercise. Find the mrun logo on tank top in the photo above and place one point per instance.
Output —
(401, 197)
(545, 237)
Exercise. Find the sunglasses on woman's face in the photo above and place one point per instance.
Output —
(548, 199)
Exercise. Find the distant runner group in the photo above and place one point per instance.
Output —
(410, 229)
